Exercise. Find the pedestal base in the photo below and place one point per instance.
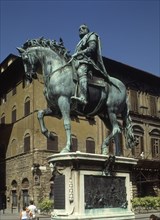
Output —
(109, 214)
(91, 186)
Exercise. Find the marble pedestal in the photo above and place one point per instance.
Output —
(91, 186)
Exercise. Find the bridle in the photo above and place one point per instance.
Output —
(31, 73)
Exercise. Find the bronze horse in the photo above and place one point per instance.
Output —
(104, 100)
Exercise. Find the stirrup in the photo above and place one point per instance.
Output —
(79, 99)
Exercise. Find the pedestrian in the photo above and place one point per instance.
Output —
(32, 210)
(153, 217)
(23, 214)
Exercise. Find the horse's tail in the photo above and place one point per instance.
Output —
(128, 128)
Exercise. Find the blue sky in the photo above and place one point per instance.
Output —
(129, 29)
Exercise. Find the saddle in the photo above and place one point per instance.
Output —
(96, 93)
(97, 81)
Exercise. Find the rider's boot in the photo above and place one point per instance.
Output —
(83, 91)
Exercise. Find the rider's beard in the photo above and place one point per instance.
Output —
(82, 35)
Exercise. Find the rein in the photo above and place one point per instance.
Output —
(61, 67)
(49, 75)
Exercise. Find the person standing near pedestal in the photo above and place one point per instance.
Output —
(153, 217)
(32, 210)
(23, 214)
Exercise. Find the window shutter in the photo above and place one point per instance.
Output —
(27, 108)
(90, 146)
(27, 144)
(52, 144)
(13, 115)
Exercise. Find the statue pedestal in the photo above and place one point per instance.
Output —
(91, 186)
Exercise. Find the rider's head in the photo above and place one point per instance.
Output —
(83, 30)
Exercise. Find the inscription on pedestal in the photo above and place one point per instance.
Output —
(104, 192)
(59, 192)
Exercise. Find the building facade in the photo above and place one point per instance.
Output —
(24, 168)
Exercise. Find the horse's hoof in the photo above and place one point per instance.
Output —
(65, 150)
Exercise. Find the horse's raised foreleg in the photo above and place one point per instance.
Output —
(40, 116)
(64, 106)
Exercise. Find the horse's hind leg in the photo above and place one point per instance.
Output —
(105, 144)
(115, 132)
(111, 123)
(128, 129)
(40, 115)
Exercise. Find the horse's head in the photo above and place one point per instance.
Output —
(30, 62)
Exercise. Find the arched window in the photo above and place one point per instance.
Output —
(14, 114)
(14, 193)
(155, 143)
(14, 184)
(74, 143)
(25, 187)
(25, 183)
(90, 145)
(139, 148)
(27, 143)
(52, 144)
(27, 106)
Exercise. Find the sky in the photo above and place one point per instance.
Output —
(129, 29)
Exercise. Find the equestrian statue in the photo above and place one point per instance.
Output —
(78, 85)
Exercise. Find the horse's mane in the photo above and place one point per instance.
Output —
(52, 44)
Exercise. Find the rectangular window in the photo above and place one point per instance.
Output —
(3, 120)
(27, 108)
(14, 116)
(52, 144)
(134, 101)
(153, 109)
(155, 145)
(27, 144)
(25, 198)
(74, 144)
(138, 149)
(14, 198)
(90, 146)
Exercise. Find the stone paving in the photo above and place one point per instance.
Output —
(15, 216)
(7, 215)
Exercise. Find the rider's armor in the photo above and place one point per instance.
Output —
(88, 56)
